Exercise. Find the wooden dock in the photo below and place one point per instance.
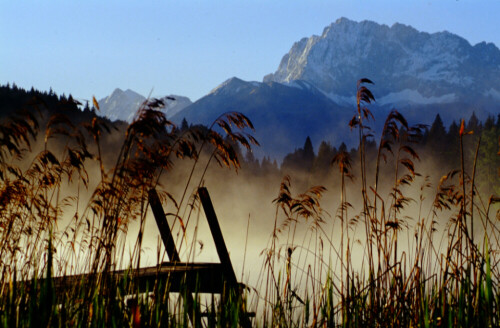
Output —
(196, 277)
(180, 277)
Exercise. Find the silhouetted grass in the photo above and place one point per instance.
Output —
(388, 269)
(36, 198)
(377, 266)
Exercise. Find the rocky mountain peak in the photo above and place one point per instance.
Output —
(400, 59)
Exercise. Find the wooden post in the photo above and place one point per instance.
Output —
(161, 221)
(173, 255)
(183, 277)
(220, 245)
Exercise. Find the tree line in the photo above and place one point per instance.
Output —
(438, 145)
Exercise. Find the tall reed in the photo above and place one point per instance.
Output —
(422, 270)
(66, 208)
(40, 190)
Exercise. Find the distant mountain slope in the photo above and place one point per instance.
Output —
(313, 91)
(409, 67)
(172, 107)
(283, 115)
(123, 105)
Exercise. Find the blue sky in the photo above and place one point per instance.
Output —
(189, 47)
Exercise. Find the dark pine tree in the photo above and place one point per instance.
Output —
(308, 155)
(301, 159)
(452, 151)
(489, 123)
(184, 125)
(321, 164)
(251, 163)
(474, 124)
(436, 138)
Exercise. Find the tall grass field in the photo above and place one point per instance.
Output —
(68, 199)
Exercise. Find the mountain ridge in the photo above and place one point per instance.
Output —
(398, 57)
(313, 91)
(123, 105)
(283, 115)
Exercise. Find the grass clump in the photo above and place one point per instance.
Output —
(66, 208)
(53, 275)
(381, 266)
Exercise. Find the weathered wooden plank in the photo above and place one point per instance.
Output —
(194, 277)
(185, 278)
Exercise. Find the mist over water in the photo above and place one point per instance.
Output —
(246, 212)
(293, 231)
(247, 215)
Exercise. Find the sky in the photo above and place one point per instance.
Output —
(89, 48)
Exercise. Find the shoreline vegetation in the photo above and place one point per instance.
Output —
(68, 195)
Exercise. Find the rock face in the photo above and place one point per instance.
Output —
(313, 91)
(123, 105)
(407, 65)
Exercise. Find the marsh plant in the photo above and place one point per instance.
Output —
(53, 224)
(67, 200)
(375, 265)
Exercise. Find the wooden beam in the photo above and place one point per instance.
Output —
(196, 277)
(220, 245)
(162, 223)
(185, 278)
(173, 255)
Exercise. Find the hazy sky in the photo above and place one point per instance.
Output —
(189, 47)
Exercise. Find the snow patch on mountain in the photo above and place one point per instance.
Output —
(232, 85)
(493, 93)
(414, 97)
(341, 100)
(436, 66)
(302, 85)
